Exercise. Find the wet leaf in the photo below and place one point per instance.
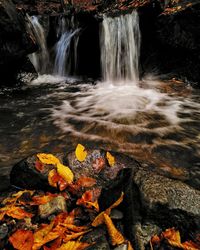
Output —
(116, 237)
(22, 239)
(111, 159)
(73, 236)
(40, 200)
(13, 199)
(80, 153)
(65, 173)
(100, 218)
(48, 159)
(74, 245)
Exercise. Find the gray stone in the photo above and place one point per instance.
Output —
(3, 231)
(122, 247)
(116, 214)
(159, 190)
(56, 205)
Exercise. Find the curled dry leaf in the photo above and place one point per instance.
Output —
(89, 200)
(111, 159)
(22, 239)
(74, 245)
(48, 159)
(116, 237)
(65, 172)
(40, 200)
(100, 218)
(13, 199)
(80, 153)
(55, 180)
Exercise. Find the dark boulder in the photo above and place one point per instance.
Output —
(15, 42)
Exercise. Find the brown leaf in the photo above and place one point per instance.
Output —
(98, 164)
(18, 213)
(22, 239)
(39, 166)
(88, 200)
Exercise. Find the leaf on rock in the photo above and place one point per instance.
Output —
(39, 166)
(52, 178)
(65, 172)
(116, 237)
(74, 245)
(111, 159)
(85, 181)
(98, 164)
(41, 200)
(100, 218)
(48, 159)
(22, 239)
(80, 152)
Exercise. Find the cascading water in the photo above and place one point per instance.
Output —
(40, 59)
(63, 59)
(120, 46)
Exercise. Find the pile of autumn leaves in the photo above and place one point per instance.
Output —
(62, 232)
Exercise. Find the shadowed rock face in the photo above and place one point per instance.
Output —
(15, 42)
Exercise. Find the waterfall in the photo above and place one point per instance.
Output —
(64, 53)
(120, 46)
(40, 59)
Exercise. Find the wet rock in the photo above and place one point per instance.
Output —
(143, 234)
(56, 205)
(15, 41)
(3, 231)
(25, 175)
(97, 236)
(116, 214)
(168, 202)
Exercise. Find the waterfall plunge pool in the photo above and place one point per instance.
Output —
(157, 123)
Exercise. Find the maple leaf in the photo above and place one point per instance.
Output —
(22, 239)
(80, 153)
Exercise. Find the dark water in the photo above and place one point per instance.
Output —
(158, 123)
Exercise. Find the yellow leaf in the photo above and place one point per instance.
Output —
(111, 159)
(80, 153)
(116, 237)
(74, 245)
(48, 159)
(65, 173)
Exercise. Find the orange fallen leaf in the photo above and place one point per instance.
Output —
(55, 180)
(80, 153)
(74, 245)
(85, 181)
(111, 159)
(48, 159)
(22, 239)
(116, 237)
(100, 217)
(88, 200)
(18, 213)
(13, 199)
(40, 200)
(73, 236)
